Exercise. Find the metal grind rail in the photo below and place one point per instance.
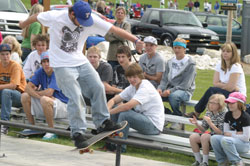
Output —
(118, 141)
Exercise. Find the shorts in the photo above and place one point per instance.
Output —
(59, 109)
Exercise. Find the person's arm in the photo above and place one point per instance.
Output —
(124, 107)
(8, 86)
(126, 35)
(195, 122)
(157, 77)
(47, 92)
(31, 90)
(230, 86)
(111, 89)
(211, 124)
(28, 21)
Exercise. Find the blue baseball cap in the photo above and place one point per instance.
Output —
(44, 55)
(5, 47)
(82, 12)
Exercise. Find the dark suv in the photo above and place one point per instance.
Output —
(166, 25)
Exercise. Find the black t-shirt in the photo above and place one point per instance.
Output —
(237, 124)
(119, 78)
(105, 72)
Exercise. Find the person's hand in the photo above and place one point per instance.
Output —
(139, 46)
(207, 119)
(159, 91)
(166, 93)
(228, 134)
(21, 24)
(193, 120)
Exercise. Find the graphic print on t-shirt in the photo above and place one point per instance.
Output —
(70, 39)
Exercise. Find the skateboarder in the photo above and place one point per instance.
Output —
(74, 74)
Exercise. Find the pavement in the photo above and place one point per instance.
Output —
(26, 152)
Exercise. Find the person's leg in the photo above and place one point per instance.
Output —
(220, 155)
(175, 100)
(92, 88)
(195, 140)
(201, 105)
(232, 147)
(205, 143)
(67, 81)
(26, 102)
(9, 98)
(47, 105)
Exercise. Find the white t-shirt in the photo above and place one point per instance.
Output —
(151, 104)
(66, 39)
(15, 57)
(32, 63)
(177, 65)
(236, 68)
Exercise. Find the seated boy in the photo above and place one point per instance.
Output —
(33, 62)
(12, 84)
(48, 101)
(144, 109)
(152, 63)
(178, 81)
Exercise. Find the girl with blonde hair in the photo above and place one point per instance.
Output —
(16, 51)
(214, 119)
(30, 32)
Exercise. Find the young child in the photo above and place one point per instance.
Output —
(33, 61)
(15, 47)
(236, 135)
(213, 119)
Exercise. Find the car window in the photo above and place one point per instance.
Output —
(155, 15)
(12, 6)
(180, 18)
(216, 21)
(235, 24)
(202, 18)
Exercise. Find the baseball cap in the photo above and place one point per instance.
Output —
(44, 55)
(82, 12)
(5, 47)
(150, 39)
(236, 96)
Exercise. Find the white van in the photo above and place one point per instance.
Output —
(11, 12)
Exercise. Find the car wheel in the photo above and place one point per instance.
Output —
(167, 41)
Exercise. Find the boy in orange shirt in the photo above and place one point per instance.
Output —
(12, 84)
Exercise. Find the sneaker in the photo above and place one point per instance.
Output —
(4, 129)
(108, 125)
(49, 136)
(238, 164)
(203, 164)
(79, 140)
(176, 126)
(191, 114)
(196, 163)
(225, 163)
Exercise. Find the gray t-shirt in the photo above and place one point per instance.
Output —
(152, 66)
(105, 72)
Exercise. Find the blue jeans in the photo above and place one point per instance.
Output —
(9, 98)
(175, 99)
(228, 148)
(137, 121)
(75, 81)
(201, 105)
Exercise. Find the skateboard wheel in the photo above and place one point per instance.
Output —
(81, 151)
(91, 151)
(121, 134)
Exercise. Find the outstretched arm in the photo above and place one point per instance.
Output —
(29, 20)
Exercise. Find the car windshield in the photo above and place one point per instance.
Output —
(12, 6)
(180, 18)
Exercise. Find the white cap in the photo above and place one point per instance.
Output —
(150, 39)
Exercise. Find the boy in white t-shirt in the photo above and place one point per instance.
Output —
(178, 81)
(144, 108)
(33, 61)
(74, 74)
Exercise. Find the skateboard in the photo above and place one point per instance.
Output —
(23, 134)
(99, 137)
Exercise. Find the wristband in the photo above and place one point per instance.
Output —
(136, 41)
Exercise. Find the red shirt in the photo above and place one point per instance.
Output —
(33, 2)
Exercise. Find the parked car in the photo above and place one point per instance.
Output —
(218, 24)
(11, 12)
(167, 24)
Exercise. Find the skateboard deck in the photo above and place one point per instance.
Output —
(29, 133)
(99, 137)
